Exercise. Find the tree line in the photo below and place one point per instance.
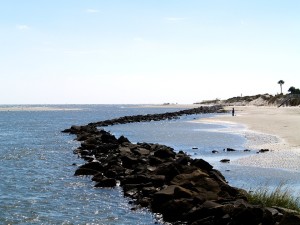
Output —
(292, 89)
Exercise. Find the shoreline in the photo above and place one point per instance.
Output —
(265, 128)
(173, 184)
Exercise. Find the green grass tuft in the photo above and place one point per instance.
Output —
(281, 196)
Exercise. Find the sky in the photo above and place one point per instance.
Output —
(146, 51)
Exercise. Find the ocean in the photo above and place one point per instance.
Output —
(37, 163)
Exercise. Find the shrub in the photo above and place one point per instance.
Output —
(295, 101)
(277, 99)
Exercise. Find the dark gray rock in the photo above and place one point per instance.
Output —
(201, 164)
(164, 153)
(90, 168)
(106, 182)
(290, 219)
(263, 150)
(225, 160)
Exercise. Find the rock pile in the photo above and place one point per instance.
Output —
(182, 189)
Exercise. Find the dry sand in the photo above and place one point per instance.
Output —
(277, 129)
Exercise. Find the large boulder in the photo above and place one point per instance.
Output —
(106, 182)
(169, 170)
(164, 152)
(202, 164)
(184, 178)
(90, 168)
(129, 161)
(174, 209)
(290, 219)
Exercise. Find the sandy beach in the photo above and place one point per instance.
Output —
(276, 129)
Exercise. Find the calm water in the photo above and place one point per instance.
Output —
(37, 183)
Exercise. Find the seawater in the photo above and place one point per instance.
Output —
(38, 185)
(199, 139)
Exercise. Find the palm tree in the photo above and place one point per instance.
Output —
(281, 82)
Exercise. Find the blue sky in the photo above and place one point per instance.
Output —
(146, 51)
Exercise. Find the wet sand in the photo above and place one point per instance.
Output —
(276, 129)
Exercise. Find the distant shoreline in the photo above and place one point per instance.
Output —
(64, 107)
(31, 108)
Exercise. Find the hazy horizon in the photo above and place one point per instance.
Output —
(146, 52)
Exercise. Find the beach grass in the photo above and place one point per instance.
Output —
(280, 196)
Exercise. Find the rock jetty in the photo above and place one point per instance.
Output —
(183, 190)
(158, 116)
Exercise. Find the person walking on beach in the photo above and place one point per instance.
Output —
(232, 111)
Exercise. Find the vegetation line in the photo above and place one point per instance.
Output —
(281, 196)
